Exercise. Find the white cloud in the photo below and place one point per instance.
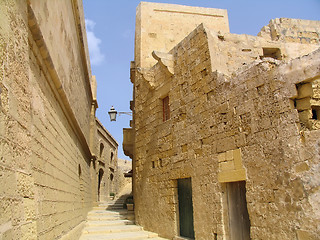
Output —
(96, 57)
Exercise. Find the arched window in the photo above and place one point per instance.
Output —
(111, 157)
(101, 149)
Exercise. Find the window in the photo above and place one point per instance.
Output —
(315, 112)
(79, 170)
(165, 108)
(101, 149)
(111, 157)
(272, 53)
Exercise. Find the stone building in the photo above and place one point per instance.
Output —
(124, 176)
(225, 137)
(56, 159)
(107, 163)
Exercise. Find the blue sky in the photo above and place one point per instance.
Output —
(110, 32)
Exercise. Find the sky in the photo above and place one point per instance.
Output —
(110, 31)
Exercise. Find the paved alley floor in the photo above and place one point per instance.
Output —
(110, 221)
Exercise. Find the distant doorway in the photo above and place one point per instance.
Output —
(111, 187)
(100, 175)
(239, 222)
(185, 208)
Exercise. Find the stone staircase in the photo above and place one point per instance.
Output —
(110, 221)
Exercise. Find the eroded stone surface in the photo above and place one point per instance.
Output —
(50, 155)
(237, 107)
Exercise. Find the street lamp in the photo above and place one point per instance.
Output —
(113, 114)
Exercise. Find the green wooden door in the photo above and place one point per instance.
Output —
(185, 208)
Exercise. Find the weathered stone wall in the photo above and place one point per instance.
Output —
(292, 30)
(231, 51)
(124, 166)
(240, 124)
(69, 53)
(161, 26)
(45, 169)
(107, 158)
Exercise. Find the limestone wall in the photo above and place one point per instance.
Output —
(45, 167)
(292, 30)
(161, 26)
(124, 166)
(107, 161)
(64, 34)
(238, 126)
(231, 51)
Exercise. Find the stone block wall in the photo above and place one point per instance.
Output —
(292, 30)
(161, 26)
(45, 110)
(106, 164)
(308, 104)
(225, 128)
(69, 52)
(124, 166)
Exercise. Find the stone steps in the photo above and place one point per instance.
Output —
(111, 229)
(121, 236)
(110, 206)
(109, 221)
(109, 217)
(107, 212)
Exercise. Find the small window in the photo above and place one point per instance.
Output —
(315, 113)
(101, 149)
(272, 53)
(111, 157)
(166, 108)
(79, 170)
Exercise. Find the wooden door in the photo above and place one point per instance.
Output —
(239, 222)
(185, 208)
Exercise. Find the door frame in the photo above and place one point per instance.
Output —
(178, 208)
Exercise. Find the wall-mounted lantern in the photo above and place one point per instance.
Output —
(113, 114)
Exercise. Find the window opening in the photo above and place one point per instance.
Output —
(166, 108)
(272, 53)
(79, 170)
(101, 149)
(111, 157)
(316, 113)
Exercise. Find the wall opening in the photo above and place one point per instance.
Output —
(307, 103)
(165, 108)
(272, 53)
(100, 175)
(315, 113)
(238, 216)
(81, 184)
(79, 171)
(111, 156)
(185, 208)
(101, 149)
(111, 183)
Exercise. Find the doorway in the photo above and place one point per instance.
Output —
(111, 183)
(100, 175)
(185, 208)
(239, 222)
